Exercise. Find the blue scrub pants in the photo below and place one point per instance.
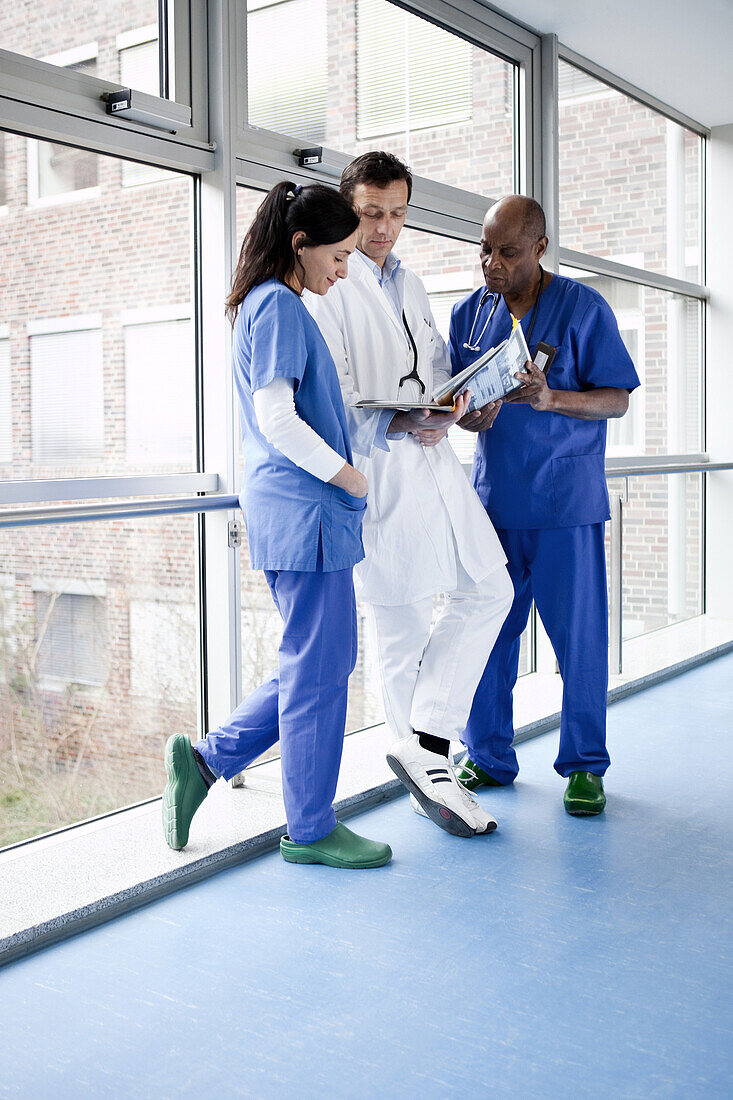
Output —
(564, 570)
(303, 703)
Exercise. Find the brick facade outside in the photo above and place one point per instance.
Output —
(72, 748)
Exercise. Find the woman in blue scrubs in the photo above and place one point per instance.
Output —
(303, 503)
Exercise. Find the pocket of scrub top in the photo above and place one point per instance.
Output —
(357, 503)
(581, 495)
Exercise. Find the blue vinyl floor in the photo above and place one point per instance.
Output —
(558, 957)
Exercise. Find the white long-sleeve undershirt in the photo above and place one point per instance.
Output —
(282, 428)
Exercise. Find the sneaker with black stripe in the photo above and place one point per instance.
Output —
(431, 779)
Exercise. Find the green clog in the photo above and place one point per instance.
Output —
(584, 794)
(184, 792)
(471, 776)
(340, 848)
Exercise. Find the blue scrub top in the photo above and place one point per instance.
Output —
(286, 509)
(542, 469)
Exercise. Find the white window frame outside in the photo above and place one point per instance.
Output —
(6, 456)
(76, 56)
(139, 318)
(68, 586)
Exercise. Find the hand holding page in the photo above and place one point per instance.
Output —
(491, 376)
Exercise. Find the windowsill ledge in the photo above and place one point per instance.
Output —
(62, 884)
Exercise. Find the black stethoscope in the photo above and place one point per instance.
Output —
(497, 298)
(413, 376)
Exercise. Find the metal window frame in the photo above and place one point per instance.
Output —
(47, 102)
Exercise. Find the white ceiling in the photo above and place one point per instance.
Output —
(681, 52)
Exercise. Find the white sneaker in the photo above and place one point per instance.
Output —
(429, 777)
(416, 806)
(484, 822)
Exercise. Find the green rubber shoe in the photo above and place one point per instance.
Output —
(184, 792)
(340, 848)
(584, 795)
(471, 776)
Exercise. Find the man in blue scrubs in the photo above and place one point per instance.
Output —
(539, 472)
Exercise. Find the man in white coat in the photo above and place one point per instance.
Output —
(425, 531)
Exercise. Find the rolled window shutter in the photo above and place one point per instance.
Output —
(67, 409)
(411, 75)
(287, 64)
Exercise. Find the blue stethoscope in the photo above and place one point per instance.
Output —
(497, 298)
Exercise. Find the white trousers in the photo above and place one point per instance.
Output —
(429, 674)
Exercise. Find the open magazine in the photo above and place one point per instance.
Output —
(489, 377)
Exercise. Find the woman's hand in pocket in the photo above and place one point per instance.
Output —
(351, 480)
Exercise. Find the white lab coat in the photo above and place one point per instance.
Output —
(421, 506)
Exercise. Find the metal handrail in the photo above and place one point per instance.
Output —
(81, 513)
(680, 467)
(106, 487)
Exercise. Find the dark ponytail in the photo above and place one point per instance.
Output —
(320, 212)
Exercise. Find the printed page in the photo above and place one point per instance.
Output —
(496, 377)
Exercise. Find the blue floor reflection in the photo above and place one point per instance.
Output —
(557, 957)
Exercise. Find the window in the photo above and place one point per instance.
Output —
(160, 392)
(67, 408)
(411, 75)
(55, 171)
(663, 552)
(6, 407)
(98, 663)
(71, 637)
(75, 277)
(630, 178)
(376, 76)
(662, 334)
(287, 79)
(162, 647)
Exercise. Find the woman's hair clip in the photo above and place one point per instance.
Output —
(296, 191)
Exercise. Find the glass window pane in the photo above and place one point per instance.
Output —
(6, 404)
(79, 32)
(629, 179)
(286, 95)
(662, 333)
(96, 307)
(98, 663)
(139, 68)
(662, 551)
(375, 76)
